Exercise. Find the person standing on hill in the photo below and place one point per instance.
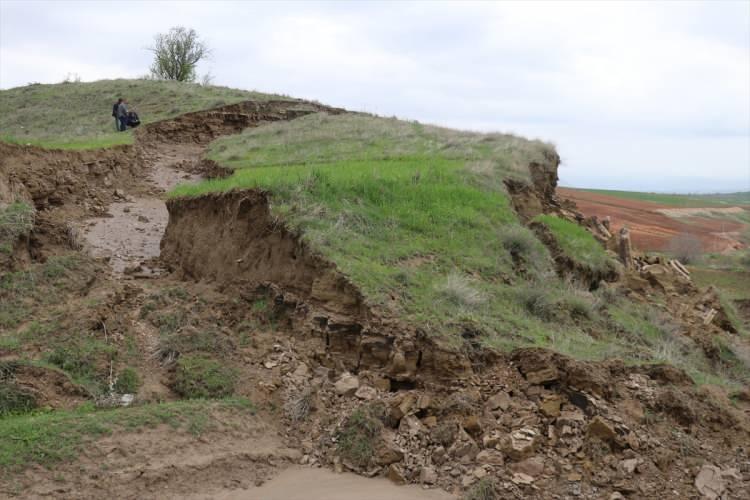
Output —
(122, 114)
(115, 106)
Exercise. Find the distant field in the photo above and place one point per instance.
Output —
(656, 219)
(78, 115)
(680, 200)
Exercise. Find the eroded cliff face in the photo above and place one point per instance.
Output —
(233, 239)
(530, 199)
(201, 127)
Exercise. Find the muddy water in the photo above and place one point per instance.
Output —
(299, 483)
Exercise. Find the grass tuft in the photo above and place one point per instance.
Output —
(484, 489)
(357, 436)
(199, 376)
(15, 219)
(577, 243)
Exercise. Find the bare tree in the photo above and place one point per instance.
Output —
(177, 53)
(686, 248)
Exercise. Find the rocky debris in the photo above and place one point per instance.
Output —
(710, 482)
(601, 429)
(550, 406)
(500, 401)
(533, 466)
(520, 444)
(346, 385)
(624, 248)
(428, 475)
(521, 478)
(366, 393)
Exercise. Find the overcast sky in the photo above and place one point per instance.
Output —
(636, 95)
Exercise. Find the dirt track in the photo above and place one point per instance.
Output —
(651, 228)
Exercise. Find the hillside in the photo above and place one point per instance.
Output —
(78, 115)
(273, 283)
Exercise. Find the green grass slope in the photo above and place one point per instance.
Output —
(78, 115)
(418, 217)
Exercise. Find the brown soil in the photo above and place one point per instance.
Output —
(242, 288)
(651, 228)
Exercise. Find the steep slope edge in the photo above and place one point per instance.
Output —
(233, 239)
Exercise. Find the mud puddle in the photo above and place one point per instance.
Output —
(298, 483)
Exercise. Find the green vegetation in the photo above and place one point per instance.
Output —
(420, 214)
(410, 215)
(15, 219)
(14, 399)
(128, 381)
(356, 437)
(198, 376)
(359, 138)
(484, 489)
(23, 292)
(30, 114)
(85, 358)
(681, 200)
(577, 243)
(49, 437)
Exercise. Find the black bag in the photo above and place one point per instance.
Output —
(114, 109)
(133, 120)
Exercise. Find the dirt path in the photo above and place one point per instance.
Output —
(130, 237)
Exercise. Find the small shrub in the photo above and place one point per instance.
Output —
(56, 266)
(189, 340)
(169, 323)
(484, 489)
(518, 240)
(15, 219)
(538, 302)
(578, 305)
(298, 404)
(686, 248)
(459, 291)
(14, 399)
(128, 381)
(356, 438)
(731, 313)
(203, 377)
(80, 357)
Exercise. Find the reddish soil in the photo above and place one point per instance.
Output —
(652, 230)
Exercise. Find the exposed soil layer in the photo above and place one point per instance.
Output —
(232, 238)
(651, 228)
(202, 127)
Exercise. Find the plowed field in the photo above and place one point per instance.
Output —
(654, 225)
